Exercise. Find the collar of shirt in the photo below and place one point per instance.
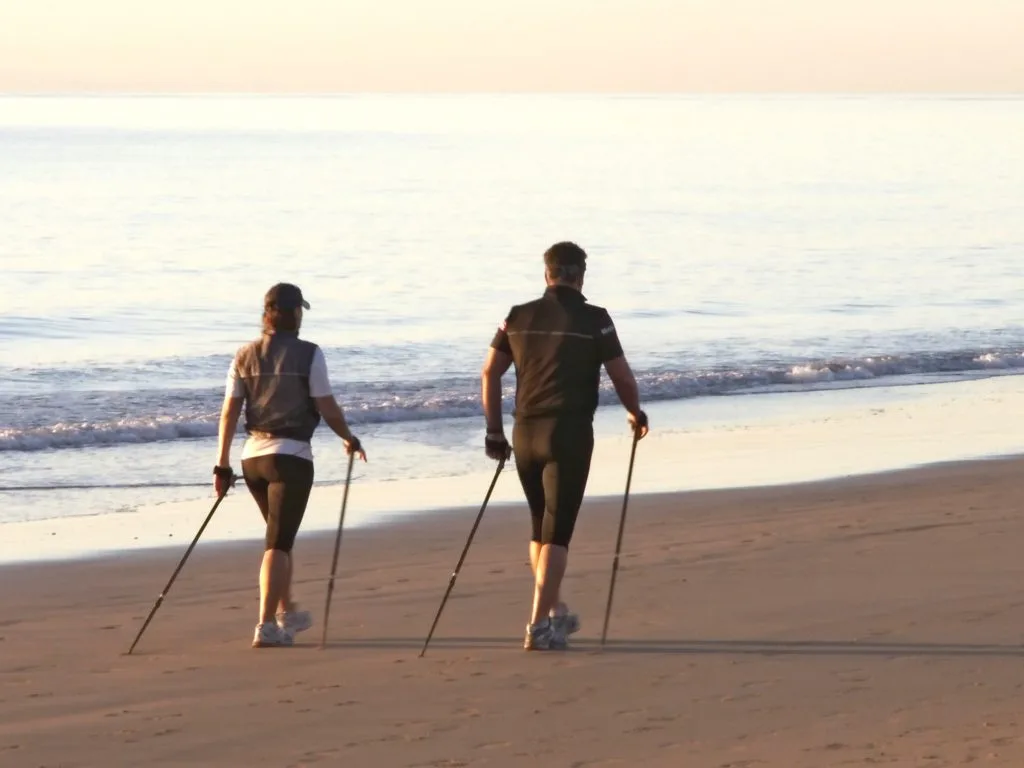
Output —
(564, 293)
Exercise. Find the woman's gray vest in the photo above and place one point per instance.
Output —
(275, 371)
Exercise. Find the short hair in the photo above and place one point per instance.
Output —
(565, 261)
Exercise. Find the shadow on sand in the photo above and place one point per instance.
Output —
(700, 647)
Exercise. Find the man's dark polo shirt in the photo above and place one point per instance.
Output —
(558, 344)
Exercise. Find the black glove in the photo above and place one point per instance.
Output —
(224, 473)
(496, 446)
(223, 480)
(639, 424)
(354, 448)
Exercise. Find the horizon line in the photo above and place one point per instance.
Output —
(112, 93)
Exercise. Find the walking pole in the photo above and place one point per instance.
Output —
(618, 543)
(337, 548)
(458, 567)
(181, 564)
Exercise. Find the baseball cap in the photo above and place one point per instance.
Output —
(285, 296)
(565, 254)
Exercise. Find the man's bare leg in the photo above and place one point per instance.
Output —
(551, 565)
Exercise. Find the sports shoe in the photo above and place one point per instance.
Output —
(269, 635)
(295, 621)
(566, 623)
(543, 636)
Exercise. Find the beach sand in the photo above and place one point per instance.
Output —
(868, 621)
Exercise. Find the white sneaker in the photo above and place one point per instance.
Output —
(543, 636)
(269, 635)
(295, 621)
(565, 623)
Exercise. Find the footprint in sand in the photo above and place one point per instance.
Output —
(494, 745)
(158, 718)
(313, 757)
(644, 729)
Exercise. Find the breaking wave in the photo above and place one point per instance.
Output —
(118, 417)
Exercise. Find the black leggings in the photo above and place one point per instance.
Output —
(553, 461)
(280, 484)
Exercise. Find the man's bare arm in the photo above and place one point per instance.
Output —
(495, 365)
(629, 394)
(625, 384)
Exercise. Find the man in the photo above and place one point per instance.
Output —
(558, 344)
(282, 381)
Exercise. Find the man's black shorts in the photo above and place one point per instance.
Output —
(280, 484)
(553, 460)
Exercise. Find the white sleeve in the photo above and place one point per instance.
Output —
(319, 383)
(234, 387)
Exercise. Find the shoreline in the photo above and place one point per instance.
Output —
(445, 515)
(728, 443)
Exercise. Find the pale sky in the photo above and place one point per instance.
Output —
(500, 45)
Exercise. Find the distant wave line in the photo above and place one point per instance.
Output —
(94, 487)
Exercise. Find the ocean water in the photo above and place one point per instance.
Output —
(743, 245)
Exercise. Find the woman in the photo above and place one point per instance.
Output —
(282, 381)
